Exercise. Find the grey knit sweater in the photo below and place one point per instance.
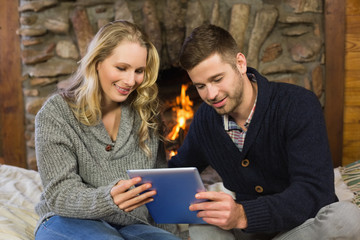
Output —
(77, 171)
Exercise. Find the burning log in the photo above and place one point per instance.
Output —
(183, 114)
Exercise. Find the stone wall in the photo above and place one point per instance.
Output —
(283, 39)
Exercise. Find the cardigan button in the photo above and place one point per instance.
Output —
(245, 162)
(259, 189)
(108, 147)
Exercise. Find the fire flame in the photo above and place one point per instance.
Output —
(184, 112)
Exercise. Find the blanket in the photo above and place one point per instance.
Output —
(20, 190)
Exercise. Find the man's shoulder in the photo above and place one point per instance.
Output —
(292, 91)
(278, 87)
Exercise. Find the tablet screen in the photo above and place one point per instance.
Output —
(176, 189)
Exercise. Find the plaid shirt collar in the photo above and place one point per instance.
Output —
(230, 124)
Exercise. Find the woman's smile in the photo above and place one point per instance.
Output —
(121, 90)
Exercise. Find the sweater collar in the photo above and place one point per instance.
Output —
(125, 128)
(263, 101)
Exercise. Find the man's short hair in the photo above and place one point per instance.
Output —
(205, 41)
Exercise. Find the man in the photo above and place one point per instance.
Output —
(269, 144)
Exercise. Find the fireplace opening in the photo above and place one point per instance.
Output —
(179, 100)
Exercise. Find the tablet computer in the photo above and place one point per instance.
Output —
(176, 189)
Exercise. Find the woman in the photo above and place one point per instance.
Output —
(89, 134)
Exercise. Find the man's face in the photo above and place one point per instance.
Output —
(219, 84)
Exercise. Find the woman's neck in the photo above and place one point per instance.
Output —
(111, 116)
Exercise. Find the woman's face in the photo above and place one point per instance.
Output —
(122, 72)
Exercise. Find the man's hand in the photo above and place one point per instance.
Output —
(221, 210)
(128, 200)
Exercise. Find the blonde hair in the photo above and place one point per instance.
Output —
(84, 95)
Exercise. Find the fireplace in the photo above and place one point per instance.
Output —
(179, 100)
(284, 40)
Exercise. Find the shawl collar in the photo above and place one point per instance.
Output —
(263, 100)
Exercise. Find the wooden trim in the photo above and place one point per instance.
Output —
(335, 75)
(12, 122)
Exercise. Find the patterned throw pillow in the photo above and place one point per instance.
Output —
(351, 176)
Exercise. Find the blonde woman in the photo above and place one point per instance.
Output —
(89, 134)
